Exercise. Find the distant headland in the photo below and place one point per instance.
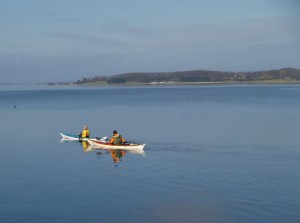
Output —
(284, 75)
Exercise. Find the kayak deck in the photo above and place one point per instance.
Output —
(71, 137)
(106, 145)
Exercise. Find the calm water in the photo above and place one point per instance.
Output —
(213, 154)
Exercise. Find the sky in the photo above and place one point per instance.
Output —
(66, 40)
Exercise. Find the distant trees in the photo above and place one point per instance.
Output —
(116, 80)
(195, 76)
(194, 79)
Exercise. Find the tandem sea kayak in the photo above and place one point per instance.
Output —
(73, 137)
(106, 145)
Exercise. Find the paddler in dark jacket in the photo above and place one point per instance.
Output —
(117, 139)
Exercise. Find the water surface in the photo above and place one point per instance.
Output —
(213, 154)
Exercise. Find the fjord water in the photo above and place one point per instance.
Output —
(227, 153)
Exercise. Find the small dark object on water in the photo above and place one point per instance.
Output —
(15, 106)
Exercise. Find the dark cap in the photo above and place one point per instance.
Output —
(115, 132)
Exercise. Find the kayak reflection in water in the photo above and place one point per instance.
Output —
(85, 145)
(117, 155)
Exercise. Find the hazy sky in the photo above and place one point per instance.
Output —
(61, 40)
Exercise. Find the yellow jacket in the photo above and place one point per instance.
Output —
(85, 133)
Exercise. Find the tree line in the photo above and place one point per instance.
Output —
(195, 76)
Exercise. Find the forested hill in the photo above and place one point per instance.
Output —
(285, 74)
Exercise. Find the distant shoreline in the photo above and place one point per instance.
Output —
(196, 77)
(267, 82)
(131, 84)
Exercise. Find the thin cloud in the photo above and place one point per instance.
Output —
(263, 31)
(77, 37)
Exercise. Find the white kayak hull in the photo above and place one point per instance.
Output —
(105, 145)
(91, 148)
(72, 137)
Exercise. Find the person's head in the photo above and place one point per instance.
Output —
(85, 127)
(115, 132)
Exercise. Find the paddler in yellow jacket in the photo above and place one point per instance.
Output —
(85, 132)
(117, 139)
